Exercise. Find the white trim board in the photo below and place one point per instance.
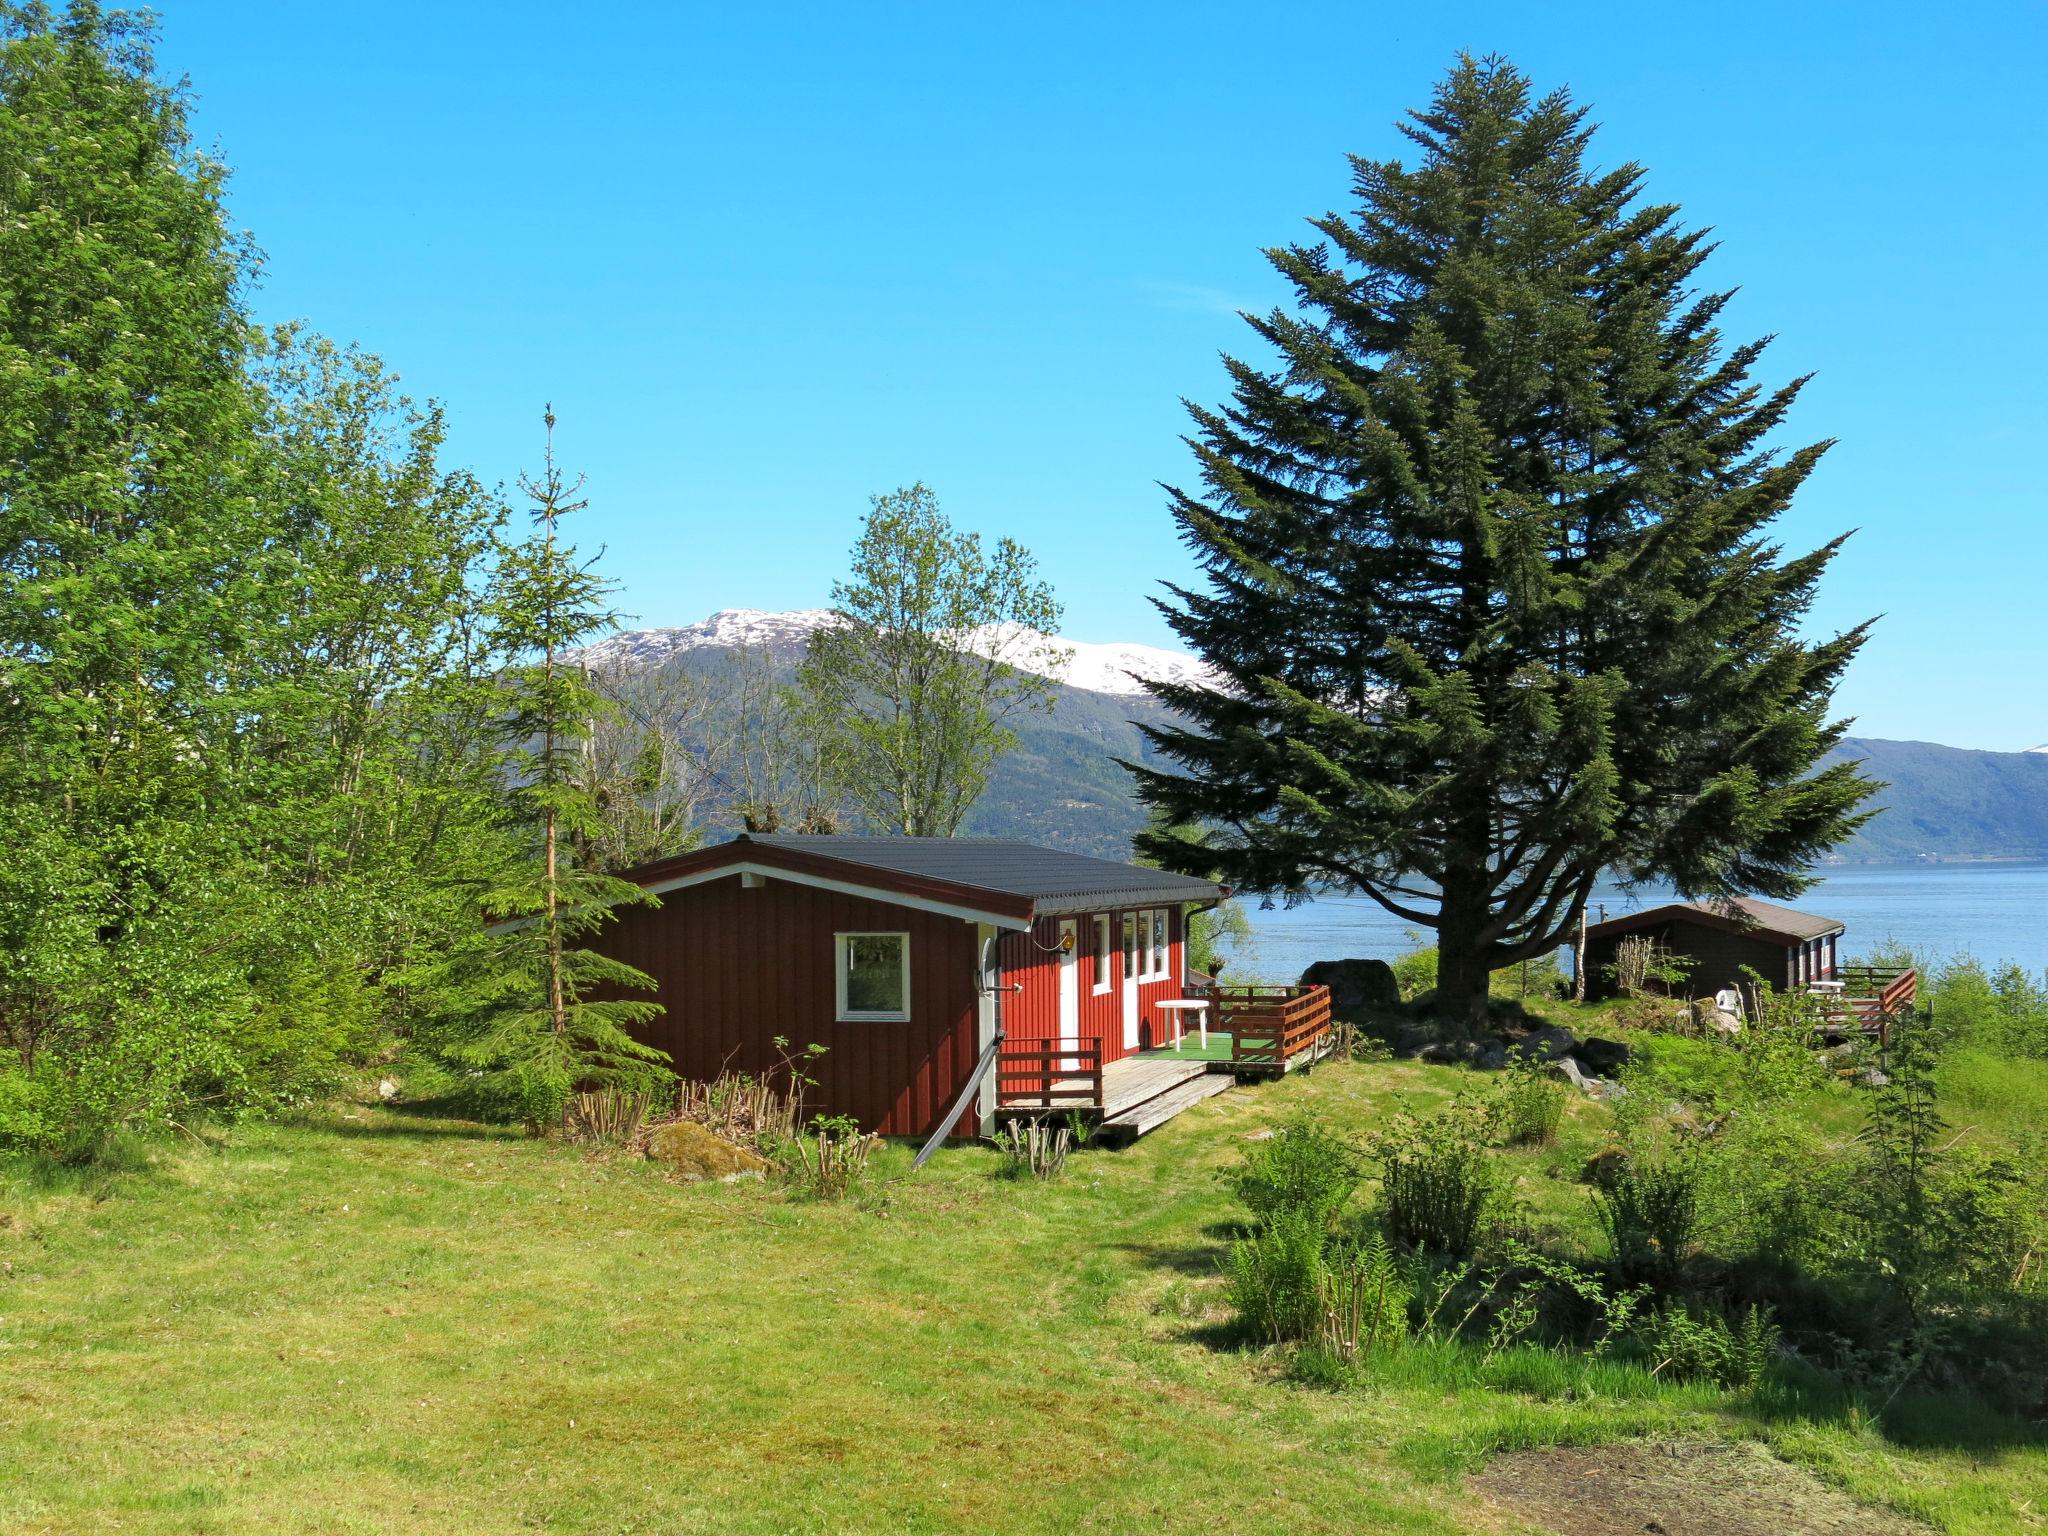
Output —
(844, 887)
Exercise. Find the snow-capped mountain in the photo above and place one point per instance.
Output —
(1112, 667)
(728, 629)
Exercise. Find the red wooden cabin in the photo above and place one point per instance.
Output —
(902, 956)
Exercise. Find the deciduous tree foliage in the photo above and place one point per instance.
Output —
(246, 649)
(936, 645)
(1489, 573)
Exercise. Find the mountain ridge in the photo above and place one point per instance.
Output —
(1063, 785)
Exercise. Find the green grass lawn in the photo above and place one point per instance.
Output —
(379, 1320)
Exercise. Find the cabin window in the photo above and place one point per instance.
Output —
(874, 977)
(1148, 936)
(1130, 946)
(1103, 974)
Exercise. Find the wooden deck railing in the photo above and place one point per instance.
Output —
(1270, 1026)
(1044, 1074)
(1872, 996)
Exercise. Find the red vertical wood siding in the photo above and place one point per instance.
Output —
(1031, 961)
(736, 968)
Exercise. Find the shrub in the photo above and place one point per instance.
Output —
(1276, 1275)
(1698, 1343)
(1642, 963)
(832, 1161)
(1437, 1186)
(607, 1115)
(1651, 1213)
(1539, 978)
(1033, 1150)
(1302, 1168)
(1362, 1303)
(1530, 1106)
(1415, 973)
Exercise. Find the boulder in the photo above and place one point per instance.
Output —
(1570, 1071)
(695, 1153)
(1492, 1056)
(1546, 1042)
(1602, 1058)
(1357, 987)
(1413, 1039)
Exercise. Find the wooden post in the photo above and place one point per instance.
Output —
(1579, 960)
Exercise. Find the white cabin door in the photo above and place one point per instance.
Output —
(1130, 921)
(1070, 996)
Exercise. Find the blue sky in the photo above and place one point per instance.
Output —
(769, 260)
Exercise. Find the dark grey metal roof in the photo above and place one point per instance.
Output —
(1054, 880)
(1770, 917)
(1745, 914)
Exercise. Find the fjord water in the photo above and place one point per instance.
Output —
(1997, 912)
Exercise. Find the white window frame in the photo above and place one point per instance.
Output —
(1162, 945)
(1105, 955)
(839, 972)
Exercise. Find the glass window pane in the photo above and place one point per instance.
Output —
(874, 973)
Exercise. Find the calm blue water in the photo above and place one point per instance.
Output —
(1996, 912)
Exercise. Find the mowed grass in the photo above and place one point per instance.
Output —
(377, 1320)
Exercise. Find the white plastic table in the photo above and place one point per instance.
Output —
(1176, 1006)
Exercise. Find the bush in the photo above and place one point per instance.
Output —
(1697, 1343)
(1415, 973)
(1301, 1169)
(1277, 1274)
(1362, 1303)
(1530, 1106)
(1651, 1213)
(1034, 1150)
(1437, 1186)
(832, 1161)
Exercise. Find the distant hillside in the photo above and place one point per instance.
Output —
(1063, 786)
(1950, 803)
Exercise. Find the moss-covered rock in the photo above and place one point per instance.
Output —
(695, 1152)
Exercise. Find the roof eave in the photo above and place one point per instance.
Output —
(742, 856)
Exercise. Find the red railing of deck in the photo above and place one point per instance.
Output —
(1042, 1074)
(1270, 1026)
(1872, 996)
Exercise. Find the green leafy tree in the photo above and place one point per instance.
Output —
(526, 993)
(937, 644)
(130, 536)
(1489, 578)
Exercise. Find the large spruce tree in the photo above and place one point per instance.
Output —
(1489, 581)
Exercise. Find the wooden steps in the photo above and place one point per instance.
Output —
(1135, 1120)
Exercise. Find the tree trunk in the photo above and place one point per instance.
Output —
(1461, 969)
(1461, 983)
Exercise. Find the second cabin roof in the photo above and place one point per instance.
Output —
(1738, 914)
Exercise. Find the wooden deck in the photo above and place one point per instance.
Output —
(1274, 1030)
(1872, 999)
(1123, 1099)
